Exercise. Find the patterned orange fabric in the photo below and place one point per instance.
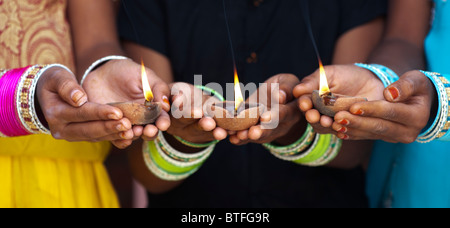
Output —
(34, 31)
(37, 170)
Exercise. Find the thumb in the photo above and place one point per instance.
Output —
(308, 85)
(413, 83)
(66, 86)
(287, 84)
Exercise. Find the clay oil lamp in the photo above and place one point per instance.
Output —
(236, 115)
(328, 103)
(141, 114)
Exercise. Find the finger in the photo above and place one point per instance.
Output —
(287, 84)
(235, 141)
(373, 128)
(66, 86)
(207, 124)
(410, 84)
(406, 114)
(255, 133)
(138, 131)
(326, 121)
(122, 144)
(313, 116)
(242, 135)
(305, 103)
(220, 134)
(163, 122)
(321, 130)
(92, 131)
(307, 86)
(127, 135)
(160, 90)
(150, 132)
(87, 112)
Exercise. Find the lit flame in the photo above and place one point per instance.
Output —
(238, 99)
(324, 89)
(148, 94)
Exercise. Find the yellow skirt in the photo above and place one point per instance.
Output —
(41, 172)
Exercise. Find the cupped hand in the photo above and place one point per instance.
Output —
(398, 119)
(71, 117)
(281, 116)
(121, 81)
(348, 80)
(188, 117)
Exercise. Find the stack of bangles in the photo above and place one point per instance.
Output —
(310, 150)
(437, 129)
(169, 164)
(18, 115)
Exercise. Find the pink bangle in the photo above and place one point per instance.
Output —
(10, 124)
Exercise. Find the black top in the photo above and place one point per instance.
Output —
(269, 37)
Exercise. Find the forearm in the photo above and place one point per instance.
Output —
(398, 55)
(402, 48)
(94, 31)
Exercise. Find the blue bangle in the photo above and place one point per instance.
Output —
(440, 127)
(386, 75)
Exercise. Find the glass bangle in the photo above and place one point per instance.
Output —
(318, 151)
(158, 171)
(195, 145)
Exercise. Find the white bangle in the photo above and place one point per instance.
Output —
(98, 63)
(27, 113)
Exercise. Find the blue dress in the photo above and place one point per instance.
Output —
(416, 175)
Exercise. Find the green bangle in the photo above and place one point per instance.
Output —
(317, 151)
(331, 154)
(159, 172)
(166, 166)
(211, 91)
(177, 155)
(195, 145)
(295, 148)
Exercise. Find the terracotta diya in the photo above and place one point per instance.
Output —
(328, 103)
(237, 115)
(141, 114)
(230, 118)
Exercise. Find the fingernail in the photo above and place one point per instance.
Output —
(166, 100)
(266, 117)
(344, 137)
(359, 112)
(113, 116)
(123, 135)
(343, 130)
(394, 93)
(120, 127)
(344, 122)
(282, 97)
(78, 97)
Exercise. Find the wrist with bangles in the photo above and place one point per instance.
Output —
(439, 127)
(99, 63)
(18, 116)
(167, 163)
(310, 150)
